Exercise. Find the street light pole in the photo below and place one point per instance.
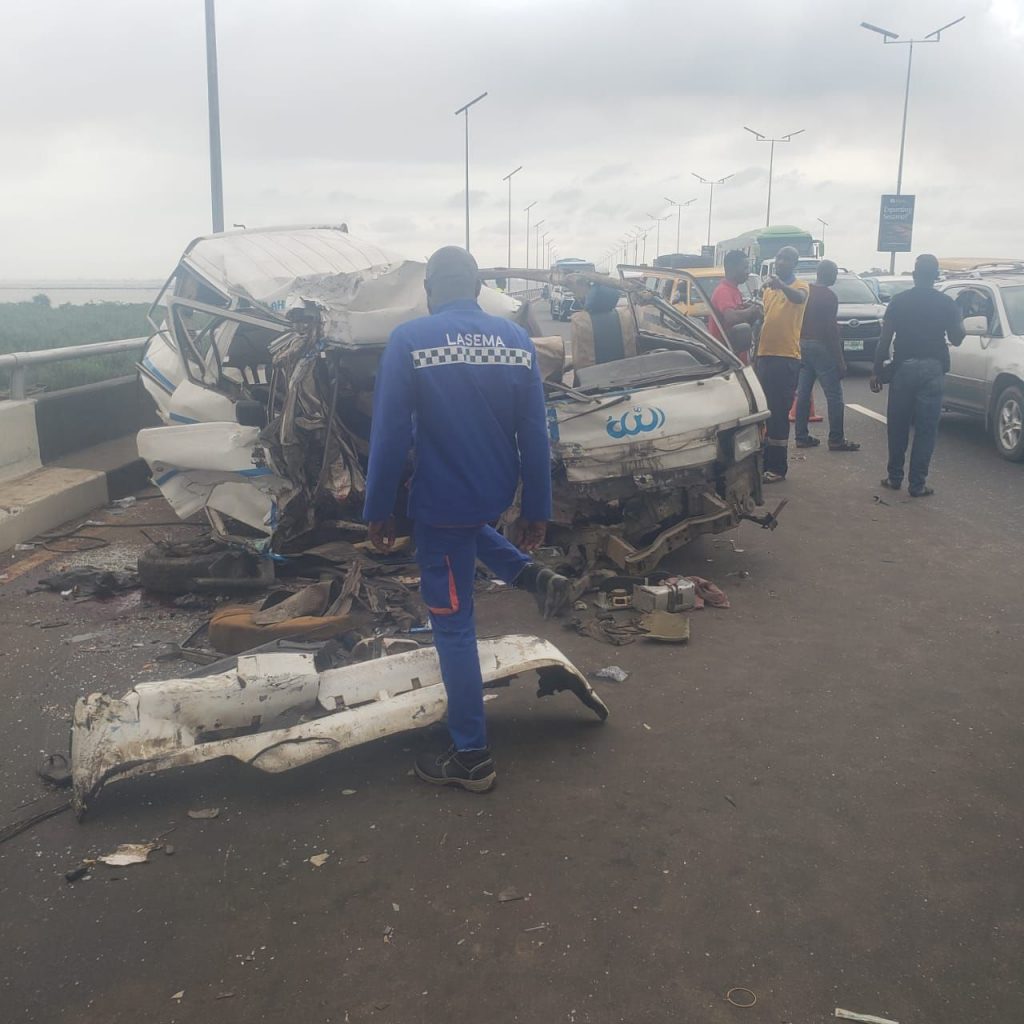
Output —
(465, 110)
(536, 240)
(824, 224)
(657, 232)
(508, 178)
(893, 37)
(679, 215)
(213, 108)
(711, 194)
(526, 210)
(771, 162)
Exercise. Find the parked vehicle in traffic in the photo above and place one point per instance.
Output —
(986, 376)
(564, 302)
(859, 316)
(885, 287)
(762, 245)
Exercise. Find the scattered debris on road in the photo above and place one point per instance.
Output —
(204, 814)
(129, 853)
(613, 672)
(865, 1018)
(666, 627)
(509, 895)
(88, 581)
(318, 860)
(746, 997)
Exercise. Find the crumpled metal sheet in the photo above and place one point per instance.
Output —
(249, 713)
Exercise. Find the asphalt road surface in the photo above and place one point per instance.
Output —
(817, 800)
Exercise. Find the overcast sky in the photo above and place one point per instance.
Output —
(341, 111)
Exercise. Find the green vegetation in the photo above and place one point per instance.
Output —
(28, 326)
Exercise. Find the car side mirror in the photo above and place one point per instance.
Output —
(976, 325)
(741, 337)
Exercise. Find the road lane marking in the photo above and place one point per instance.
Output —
(867, 412)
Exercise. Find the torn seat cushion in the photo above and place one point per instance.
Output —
(602, 337)
(310, 614)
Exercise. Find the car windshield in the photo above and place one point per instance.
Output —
(1013, 300)
(853, 289)
(887, 289)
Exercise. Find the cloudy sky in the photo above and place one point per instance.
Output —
(342, 111)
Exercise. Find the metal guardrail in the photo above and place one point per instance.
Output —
(19, 362)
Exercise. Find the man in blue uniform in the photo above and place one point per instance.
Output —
(463, 388)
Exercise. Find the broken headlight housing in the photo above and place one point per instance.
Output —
(746, 441)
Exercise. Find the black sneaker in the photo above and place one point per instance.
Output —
(552, 590)
(470, 769)
(808, 442)
(891, 485)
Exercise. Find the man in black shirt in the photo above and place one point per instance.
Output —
(922, 319)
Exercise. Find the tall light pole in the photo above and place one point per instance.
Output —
(641, 234)
(824, 224)
(711, 194)
(679, 215)
(536, 240)
(543, 248)
(508, 178)
(771, 163)
(526, 210)
(465, 110)
(213, 109)
(893, 37)
(657, 232)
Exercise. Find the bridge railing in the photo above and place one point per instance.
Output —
(18, 363)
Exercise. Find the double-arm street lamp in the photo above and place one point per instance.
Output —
(893, 37)
(711, 194)
(657, 232)
(771, 162)
(679, 215)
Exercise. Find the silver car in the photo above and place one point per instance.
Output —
(986, 377)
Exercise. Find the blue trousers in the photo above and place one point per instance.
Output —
(818, 362)
(915, 397)
(447, 557)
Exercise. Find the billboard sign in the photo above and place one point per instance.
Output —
(895, 223)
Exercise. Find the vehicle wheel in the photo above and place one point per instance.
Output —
(175, 570)
(1008, 423)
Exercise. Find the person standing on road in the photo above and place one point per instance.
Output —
(465, 387)
(821, 355)
(729, 302)
(778, 357)
(921, 319)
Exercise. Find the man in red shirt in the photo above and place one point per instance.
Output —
(729, 303)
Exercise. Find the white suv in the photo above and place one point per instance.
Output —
(986, 377)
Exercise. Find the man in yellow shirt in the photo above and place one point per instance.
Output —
(778, 357)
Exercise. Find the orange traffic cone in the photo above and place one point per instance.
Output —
(813, 418)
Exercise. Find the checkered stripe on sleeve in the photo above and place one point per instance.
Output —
(448, 355)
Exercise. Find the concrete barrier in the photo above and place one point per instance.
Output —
(67, 453)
